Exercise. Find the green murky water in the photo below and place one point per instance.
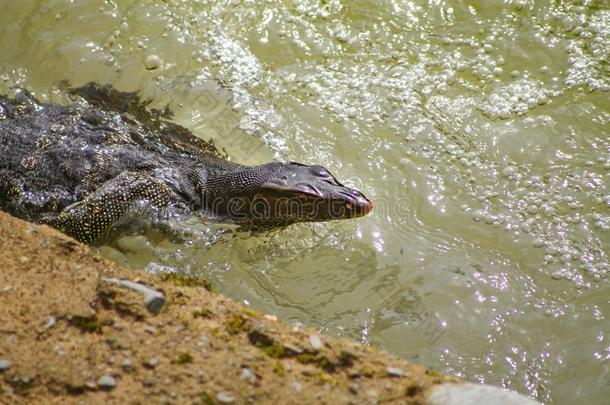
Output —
(480, 129)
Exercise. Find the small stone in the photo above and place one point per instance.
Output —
(395, 372)
(152, 62)
(148, 382)
(153, 299)
(152, 363)
(106, 381)
(5, 364)
(127, 364)
(50, 323)
(292, 348)
(315, 342)
(466, 393)
(247, 374)
(225, 397)
(154, 302)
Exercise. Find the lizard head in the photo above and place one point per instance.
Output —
(278, 194)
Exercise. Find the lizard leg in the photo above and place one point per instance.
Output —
(92, 217)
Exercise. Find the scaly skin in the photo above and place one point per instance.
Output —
(83, 168)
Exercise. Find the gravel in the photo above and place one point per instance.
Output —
(5, 364)
(106, 381)
(152, 363)
(225, 397)
(396, 372)
(153, 299)
(315, 342)
(247, 374)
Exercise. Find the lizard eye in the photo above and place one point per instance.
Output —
(321, 171)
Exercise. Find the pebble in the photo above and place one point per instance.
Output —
(127, 364)
(152, 363)
(5, 364)
(315, 342)
(396, 372)
(292, 348)
(225, 397)
(247, 374)
(50, 323)
(106, 381)
(153, 299)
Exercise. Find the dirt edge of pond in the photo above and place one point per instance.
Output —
(68, 335)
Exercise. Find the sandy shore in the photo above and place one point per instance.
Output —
(70, 334)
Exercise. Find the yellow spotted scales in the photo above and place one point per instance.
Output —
(90, 218)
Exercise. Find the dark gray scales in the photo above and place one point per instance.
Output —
(81, 168)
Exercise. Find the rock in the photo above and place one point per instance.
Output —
(127, 364)
(5, 364)
(396, 372)
(50, 323)
(153, 299)
(315, 342)
(292, 349)
(475, 394)
(152, 363)
(247, 374)
(225, 397)
(106, 382)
